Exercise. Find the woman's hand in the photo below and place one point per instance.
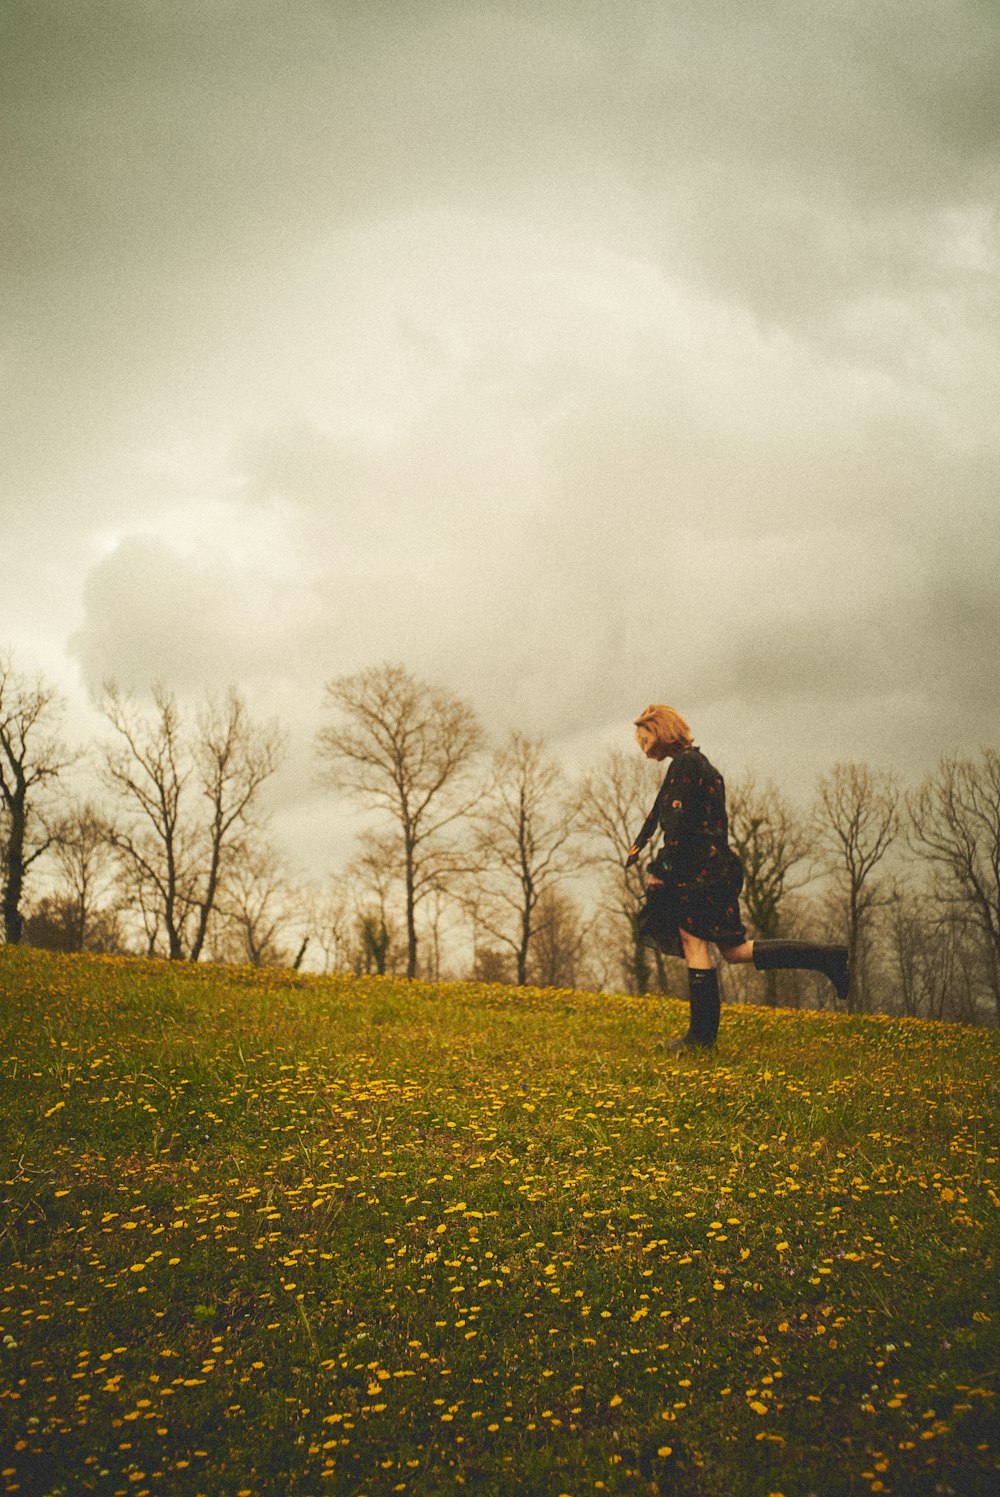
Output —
(652, 882)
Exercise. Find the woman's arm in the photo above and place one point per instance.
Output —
(676, 811)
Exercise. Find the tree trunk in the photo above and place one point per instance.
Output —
(80, 922)
(995, 975)
(853, 947)
(411, 918)
(640, 957)
(14, 877)
(208, 903)
(175, 950)
(12, 921)
(522, 950)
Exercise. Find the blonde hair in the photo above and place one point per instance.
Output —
(664, 727)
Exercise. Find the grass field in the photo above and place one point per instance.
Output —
(268, 1234)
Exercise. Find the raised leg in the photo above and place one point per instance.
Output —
(809, 956)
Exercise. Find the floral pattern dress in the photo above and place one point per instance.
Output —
(702, 875)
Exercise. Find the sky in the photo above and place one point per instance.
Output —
(576, 356)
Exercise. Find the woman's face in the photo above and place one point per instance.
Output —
(648, 742)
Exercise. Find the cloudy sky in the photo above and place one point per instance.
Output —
(577, 355)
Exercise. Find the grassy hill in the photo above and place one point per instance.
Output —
(263, 1233)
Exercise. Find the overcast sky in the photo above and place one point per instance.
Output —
(575, 355)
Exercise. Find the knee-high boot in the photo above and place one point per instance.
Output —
(706, 1008)
(809, 956)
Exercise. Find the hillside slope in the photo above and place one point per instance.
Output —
(265, 1233)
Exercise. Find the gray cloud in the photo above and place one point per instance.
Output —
(153, 617)
(576, 356)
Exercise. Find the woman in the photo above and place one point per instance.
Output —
(694, 881)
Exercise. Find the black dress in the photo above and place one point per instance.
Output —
(702, 875)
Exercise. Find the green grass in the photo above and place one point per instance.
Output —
(269, 1234)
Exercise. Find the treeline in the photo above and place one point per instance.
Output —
(494, 866)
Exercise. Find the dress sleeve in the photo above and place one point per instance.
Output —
(677, 811)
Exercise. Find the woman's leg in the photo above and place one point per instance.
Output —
(703, 993)
(741, 953)
(696, 952)
(809, 956)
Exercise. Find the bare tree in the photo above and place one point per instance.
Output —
(442, 912)
(82, 850)
(329, 919)
(526, 840)
(934, 963)
(149, 772)
(610, 952)
(559, 951)
(374, 941)
(490, 964)
(32, 757)
(187, 797)
(857, 821)
(954, 823)
(614, 800)
(51, 923)
(405, 748)
(772, 842)
(256, 907)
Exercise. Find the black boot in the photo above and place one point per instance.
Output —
(810, 956)
(706, 1008)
